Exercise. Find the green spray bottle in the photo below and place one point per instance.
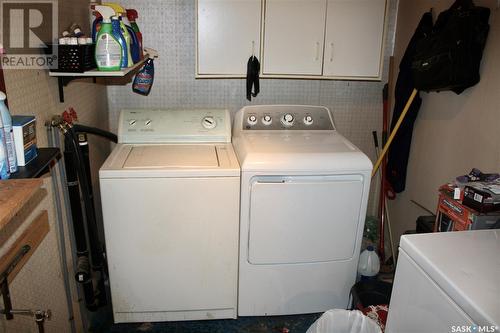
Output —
(122, 14)
(108, 51)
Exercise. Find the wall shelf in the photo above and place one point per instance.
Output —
(64, 78)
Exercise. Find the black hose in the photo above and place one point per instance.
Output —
(83, 274)
(96, 254)
(96, 131)
(96, 249)
(74, 199)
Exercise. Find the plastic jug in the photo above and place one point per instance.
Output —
(369, 263)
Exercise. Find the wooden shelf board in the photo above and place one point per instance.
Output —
(14, 194)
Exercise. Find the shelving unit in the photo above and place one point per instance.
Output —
(64, 78)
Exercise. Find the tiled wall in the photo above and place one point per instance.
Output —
(169, 27)
(33, 92)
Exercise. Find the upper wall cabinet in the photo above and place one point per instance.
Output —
(354, 38)
(228, 34)
(294, 32)
(317, 39)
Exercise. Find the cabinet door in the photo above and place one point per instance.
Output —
(228, 34)
(354, 35)
(294, 33)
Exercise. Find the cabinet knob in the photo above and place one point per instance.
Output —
(331, 52)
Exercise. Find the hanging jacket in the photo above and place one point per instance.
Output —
(399, 151)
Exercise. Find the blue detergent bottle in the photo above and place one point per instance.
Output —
(117, 32)
(143, 81)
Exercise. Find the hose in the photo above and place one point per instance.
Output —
(96, 131)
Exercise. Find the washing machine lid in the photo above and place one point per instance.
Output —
(171, 156)
(465, 265)
(318, 151)
(170, 160)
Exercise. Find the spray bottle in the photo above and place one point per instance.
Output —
(108, 50)
(96, 25)
(131, 39)
(117, 31)
(132, 16)
(8, 134)
(143, 81)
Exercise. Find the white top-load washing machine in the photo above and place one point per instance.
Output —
(170, 199)
(447, 282)
(304, 191)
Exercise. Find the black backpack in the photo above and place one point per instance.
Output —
(450, 57)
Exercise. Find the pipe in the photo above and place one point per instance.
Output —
(96, 250)
(95, 246)
(61, 166)
(78, 225)
(60, 236)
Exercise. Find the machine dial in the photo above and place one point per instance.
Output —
(209, 122)
(132, 122)
(147, 122)
(267, 120)
(308, 120)
(287, 119)
(252, 120)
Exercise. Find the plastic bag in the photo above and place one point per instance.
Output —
(344, 321)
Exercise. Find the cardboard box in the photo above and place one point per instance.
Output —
(24, 129)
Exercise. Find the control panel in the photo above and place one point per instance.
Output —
(287, 117)
(165, 126)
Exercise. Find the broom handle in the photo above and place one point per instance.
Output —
(394, 131)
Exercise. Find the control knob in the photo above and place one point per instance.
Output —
(209, 122)
(252, 120)
(267, 120)
(287, 120)
(308, 120)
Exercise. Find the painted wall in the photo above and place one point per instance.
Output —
(33, 92)
(453, 133)
(169, 27)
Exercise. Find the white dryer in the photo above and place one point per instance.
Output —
(304, 191)
(170, 199)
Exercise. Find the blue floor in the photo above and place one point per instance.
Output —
(274, 324)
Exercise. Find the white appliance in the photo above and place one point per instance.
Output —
(170, 197)
(304, 191)
(447, 282)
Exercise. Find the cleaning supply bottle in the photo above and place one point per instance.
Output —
(4, 159)
(8, 133)
(95, 22)
(108, 50)
(117, 31)
(143, 81)
(132, 16)
(122, 14)
(96, 26)
(369, 264)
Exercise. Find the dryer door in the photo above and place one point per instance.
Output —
(303, 219)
